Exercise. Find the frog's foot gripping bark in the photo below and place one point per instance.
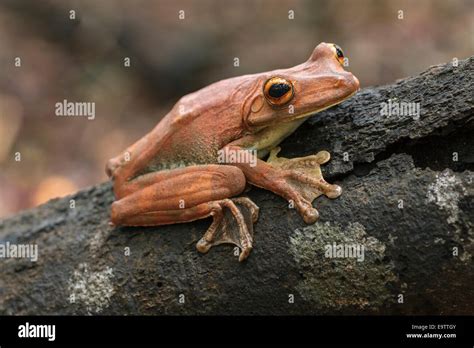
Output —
(232, 225)
(303, 175)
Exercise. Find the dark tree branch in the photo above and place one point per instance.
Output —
(408, 199)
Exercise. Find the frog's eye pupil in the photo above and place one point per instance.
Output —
(339, 52)
(277, 90)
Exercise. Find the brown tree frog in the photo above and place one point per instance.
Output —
(174, 175)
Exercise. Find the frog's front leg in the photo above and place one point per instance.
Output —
(188, 194)
(298, 180)
(306, 173)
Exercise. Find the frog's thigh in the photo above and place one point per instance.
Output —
(178, 195)
(184, 173)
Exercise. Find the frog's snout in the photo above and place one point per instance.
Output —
(111, 166)
(351, 82)
(109, 169)
(356, 83)
(347, 81)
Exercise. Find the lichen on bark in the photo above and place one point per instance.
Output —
(336, 282)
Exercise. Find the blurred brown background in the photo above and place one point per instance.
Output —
(82, 60)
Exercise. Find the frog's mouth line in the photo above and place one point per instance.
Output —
(310, 113)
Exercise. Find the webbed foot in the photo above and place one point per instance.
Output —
(304, 176)
(233, 225)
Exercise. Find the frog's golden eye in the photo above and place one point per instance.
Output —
(339, 53)
(278, 91)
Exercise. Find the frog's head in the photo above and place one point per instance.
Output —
(289, 94)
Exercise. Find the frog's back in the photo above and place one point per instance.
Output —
(202, 123)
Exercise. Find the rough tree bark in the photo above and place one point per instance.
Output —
(408, 198)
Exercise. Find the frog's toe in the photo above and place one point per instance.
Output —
(203, 245)
(310, 216)
(334, 191)
(244, 253)
(322, 157)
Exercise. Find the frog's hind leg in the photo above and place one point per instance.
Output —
(188, 194)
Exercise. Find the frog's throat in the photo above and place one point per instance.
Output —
(311, 113)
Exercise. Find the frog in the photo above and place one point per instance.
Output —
(175, 173)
